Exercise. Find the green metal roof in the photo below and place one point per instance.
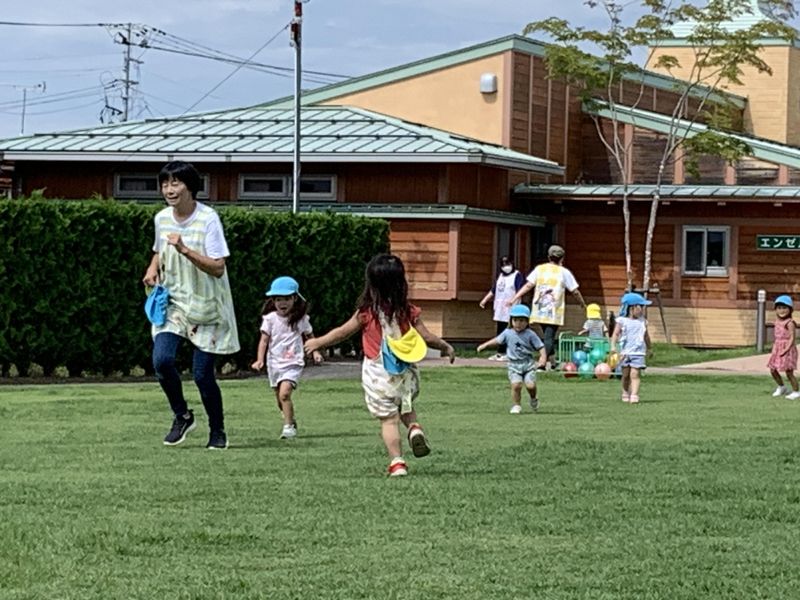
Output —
(752, 15)
(516, 43)
(774, 152)
(710, 192)
(261, 134)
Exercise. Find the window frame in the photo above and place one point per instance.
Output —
(146, 195)
(708, 271)
(282, 195)
(287, 192)
(331, 196)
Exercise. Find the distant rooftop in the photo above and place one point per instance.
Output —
(328, 134)
(755, 13)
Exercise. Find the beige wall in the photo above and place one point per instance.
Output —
(448, 99)
(773, 111)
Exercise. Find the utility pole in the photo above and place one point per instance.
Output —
(296, 39)
(25, 88)
(127, 41)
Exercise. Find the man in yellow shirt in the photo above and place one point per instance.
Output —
(549, 281)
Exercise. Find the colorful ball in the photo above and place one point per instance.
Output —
(579, 357)
(597, 355)
(569, 369)
(613, 360)
(602, 371)
(586, 370)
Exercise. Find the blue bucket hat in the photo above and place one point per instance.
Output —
(284, 286)
(784, 299)
(520, 310)
(632, 299)
(155, 307)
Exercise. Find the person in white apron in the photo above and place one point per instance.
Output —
(189, 255)
(508, 283)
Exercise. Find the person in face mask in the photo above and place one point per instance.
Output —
(508, 282)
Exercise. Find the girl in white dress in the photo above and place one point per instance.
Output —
(284, 327)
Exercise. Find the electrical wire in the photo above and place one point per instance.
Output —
(238, 68)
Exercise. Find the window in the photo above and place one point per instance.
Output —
(145, 185)
(705, 251)
(320, 187)
(263, 186)
(279, 187)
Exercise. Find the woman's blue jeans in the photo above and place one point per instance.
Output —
(165, 347)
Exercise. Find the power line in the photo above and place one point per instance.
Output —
(30, 24)
(238, 68)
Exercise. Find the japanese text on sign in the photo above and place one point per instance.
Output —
(778, 242)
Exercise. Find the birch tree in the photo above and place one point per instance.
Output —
(601, 65)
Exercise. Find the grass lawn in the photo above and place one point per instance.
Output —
(695, 493)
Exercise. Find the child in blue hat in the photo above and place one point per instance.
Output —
(521, 343)
(784, 351)
(284, 328)
(634, 343)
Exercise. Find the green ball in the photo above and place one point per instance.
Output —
(597, 355)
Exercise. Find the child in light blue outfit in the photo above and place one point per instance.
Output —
(521, 343)
(634, 343)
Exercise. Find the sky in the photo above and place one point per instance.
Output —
(69, 77)
(78, 66)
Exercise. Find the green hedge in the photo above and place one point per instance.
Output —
(70, 277)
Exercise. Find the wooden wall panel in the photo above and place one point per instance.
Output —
(424, 249)
(520, 103)
(596, 256)
(392, 183)
(777, 272)
(475, 257)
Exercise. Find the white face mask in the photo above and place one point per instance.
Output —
(507, 269)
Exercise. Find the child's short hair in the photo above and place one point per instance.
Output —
(184, 172)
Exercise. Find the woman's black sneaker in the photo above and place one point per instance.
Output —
(217, 440)
(180, 427)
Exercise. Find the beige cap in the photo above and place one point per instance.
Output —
(555, 251)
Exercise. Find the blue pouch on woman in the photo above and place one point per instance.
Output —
(155, 307)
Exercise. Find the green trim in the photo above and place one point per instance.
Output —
(763, 149)
(684, 43)
(515, 42)
(408, 70)
(709, 192)
(448, 212)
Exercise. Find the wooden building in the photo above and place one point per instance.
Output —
(524, 168)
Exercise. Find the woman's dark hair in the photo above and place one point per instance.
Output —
(386, 288)
(182, 171)
(299, 310)
(504, 260)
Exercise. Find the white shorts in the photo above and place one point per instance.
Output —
(290, 373)
(386, 394)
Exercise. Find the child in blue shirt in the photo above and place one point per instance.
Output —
(521, 343)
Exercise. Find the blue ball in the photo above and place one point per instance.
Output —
(579, 357)
(586, 370)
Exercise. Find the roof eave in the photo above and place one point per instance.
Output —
(206, 157)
